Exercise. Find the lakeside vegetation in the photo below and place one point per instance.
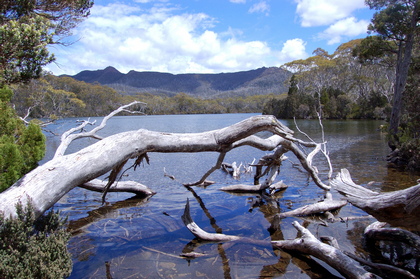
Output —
(347, 84)
(358, 81)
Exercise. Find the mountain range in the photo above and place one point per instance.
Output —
(245, 83)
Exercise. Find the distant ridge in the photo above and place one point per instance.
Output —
(244, 83)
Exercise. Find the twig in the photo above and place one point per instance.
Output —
(68, 136)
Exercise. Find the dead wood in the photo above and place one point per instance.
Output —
(214, 237)
(203, 180)
(46, 184)
(243, 188)
(201, 234)
(69, 136)
(383, 270)
(398, 208)
(98, 185)
(309, 244)
(324, 206)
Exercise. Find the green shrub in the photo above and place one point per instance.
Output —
(32, 248)
(21, 146)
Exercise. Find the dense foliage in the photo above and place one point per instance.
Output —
(57, 97)
(397, 43)
(34, 249)
(396, 24)
(21, 146)
(27, 27)
(337, 86)
(29, 248)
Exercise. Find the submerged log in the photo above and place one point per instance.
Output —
(200, 233)
(98, 185)
(243, 188)
(398, 208)
(309, 244)
(377, 231)
(383, 270)
(46, 184)
(320, 207)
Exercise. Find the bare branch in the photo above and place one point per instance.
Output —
(199, 233)
(326, 205)
(68, 136)
(207, 174)
(308, 244)
(122, 186)
(398, 208)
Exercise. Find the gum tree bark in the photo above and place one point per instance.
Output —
(398, 208)
(309, 244)
(45, 185)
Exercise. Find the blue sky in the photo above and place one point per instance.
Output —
(207, 36)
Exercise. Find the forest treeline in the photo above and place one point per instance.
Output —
(338, 86)
(358, 81)
(52, 97)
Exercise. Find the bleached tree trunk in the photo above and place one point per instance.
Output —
(398, 208)
(309, 244)
(45, 185)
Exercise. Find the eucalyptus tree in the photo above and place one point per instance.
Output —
(395, 23)
(27, 27)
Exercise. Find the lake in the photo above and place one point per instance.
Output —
(130, 237)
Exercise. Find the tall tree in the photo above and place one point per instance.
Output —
(27, 27)
(397, 21)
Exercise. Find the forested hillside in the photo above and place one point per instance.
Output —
(338, 86)
(53, 97)
(261, 81)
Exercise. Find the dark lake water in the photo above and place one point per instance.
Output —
(137, 238)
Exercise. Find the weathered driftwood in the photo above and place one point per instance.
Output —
(243, 188)
(69, 136)
(281, 143)
(309, 244)
(383, 270)
(98, 185)
(326, 205)
(45, 185)
(233, 169)
(201, 234)
(398, 208)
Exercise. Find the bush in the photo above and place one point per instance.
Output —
(34, 249)
(21, 146)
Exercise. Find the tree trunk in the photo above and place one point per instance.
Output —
(403, 64)
(45, 185)
(398, 208)
(309, 244)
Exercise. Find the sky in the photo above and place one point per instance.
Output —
(207, 36)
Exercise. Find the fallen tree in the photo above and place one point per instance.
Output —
(309, 244)
(46, 184)
(398, 208)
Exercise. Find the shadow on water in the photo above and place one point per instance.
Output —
(139, 238)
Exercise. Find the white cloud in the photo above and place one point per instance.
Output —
(129, 38)
(292, 50)
(325, 12)
(261, 7)
(348, 27)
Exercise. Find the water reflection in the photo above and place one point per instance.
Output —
(145, 238)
